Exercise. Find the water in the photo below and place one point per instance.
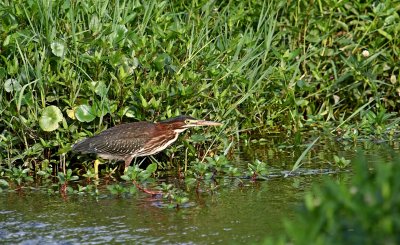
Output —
(232, 214)
(241, 215)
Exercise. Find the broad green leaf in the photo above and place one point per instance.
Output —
(58, 49)
(151, 168)
(12, 85)
(95, 24)
(71, 113)
(101, 89)
(125, 177)
(50, 118)
(74, 177)
(85, 113)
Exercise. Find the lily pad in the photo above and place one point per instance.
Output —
(50, 118)
(85, 113)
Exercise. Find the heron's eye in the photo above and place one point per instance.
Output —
(187, 121)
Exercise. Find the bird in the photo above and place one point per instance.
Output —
(127, 141)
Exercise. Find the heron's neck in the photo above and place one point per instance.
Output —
(179, 130)
(165, 127)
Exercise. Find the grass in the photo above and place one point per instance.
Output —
(258, 67)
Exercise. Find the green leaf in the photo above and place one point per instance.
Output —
(144, 175)
(336, 159)
(74, 177)
(144, 102)
(151, 168)
(12, 85)
(51, 117)
(125, 177)
(95, 24)
(3, 183)
(132, 189)
(385, 34)
(301, 102)
(101, 89)
(85, 113)
(58, 49)
(190, 181)
(198, 138)
(3, 72)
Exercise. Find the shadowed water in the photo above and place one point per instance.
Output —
(232, 214)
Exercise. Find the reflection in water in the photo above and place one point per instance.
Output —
(232, 214)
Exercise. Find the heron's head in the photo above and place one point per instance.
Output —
(181, 123)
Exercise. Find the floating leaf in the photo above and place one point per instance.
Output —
(51, 117)
(85, 113)
(58, 49)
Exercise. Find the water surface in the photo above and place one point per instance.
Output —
(232, 214)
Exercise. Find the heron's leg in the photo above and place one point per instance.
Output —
(128, 162)
(96, 168)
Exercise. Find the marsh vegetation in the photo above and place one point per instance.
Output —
(295, 70)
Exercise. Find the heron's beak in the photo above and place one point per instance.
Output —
(206, 123)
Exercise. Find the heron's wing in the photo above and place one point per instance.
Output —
(121, 140)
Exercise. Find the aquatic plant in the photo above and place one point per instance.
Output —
(341, 162)
(138, 176)
(364, 211)
(18, 176)
(64, 179)
(174, 196)
(257, 169)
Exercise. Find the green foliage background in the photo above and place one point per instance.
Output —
(258, 67)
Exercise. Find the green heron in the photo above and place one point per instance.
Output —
(137, 139)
